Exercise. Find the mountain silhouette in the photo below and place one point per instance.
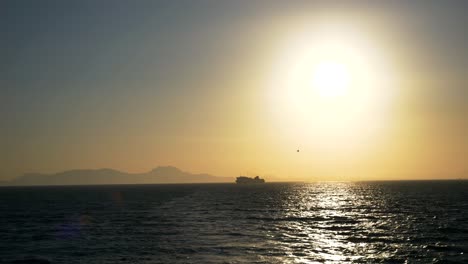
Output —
(162, 174)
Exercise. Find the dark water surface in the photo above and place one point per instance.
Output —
(370, 222)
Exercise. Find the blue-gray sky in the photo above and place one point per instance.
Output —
(136, 84)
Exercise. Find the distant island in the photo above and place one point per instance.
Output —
(162, 174)
(247, 180)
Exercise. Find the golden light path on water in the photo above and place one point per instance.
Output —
(326, 222)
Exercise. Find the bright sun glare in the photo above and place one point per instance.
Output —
(331, 88)
(330, 79)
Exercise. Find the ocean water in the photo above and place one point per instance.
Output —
(367, 222)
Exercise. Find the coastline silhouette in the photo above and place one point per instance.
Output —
(161, 174)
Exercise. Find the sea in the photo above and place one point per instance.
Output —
(326, 222)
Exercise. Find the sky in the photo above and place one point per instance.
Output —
(206, 86)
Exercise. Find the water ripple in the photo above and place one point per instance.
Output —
(381, 222)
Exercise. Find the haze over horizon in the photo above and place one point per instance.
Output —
(106, 176)
(299, 90)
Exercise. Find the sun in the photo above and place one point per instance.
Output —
(330, 79)
(331, 89)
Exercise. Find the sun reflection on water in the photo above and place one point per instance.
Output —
(325, 219)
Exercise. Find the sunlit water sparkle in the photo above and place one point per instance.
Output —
(373, 222)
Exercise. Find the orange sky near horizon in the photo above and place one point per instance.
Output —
(230, 90)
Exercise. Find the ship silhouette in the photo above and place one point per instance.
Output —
(248, 180)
